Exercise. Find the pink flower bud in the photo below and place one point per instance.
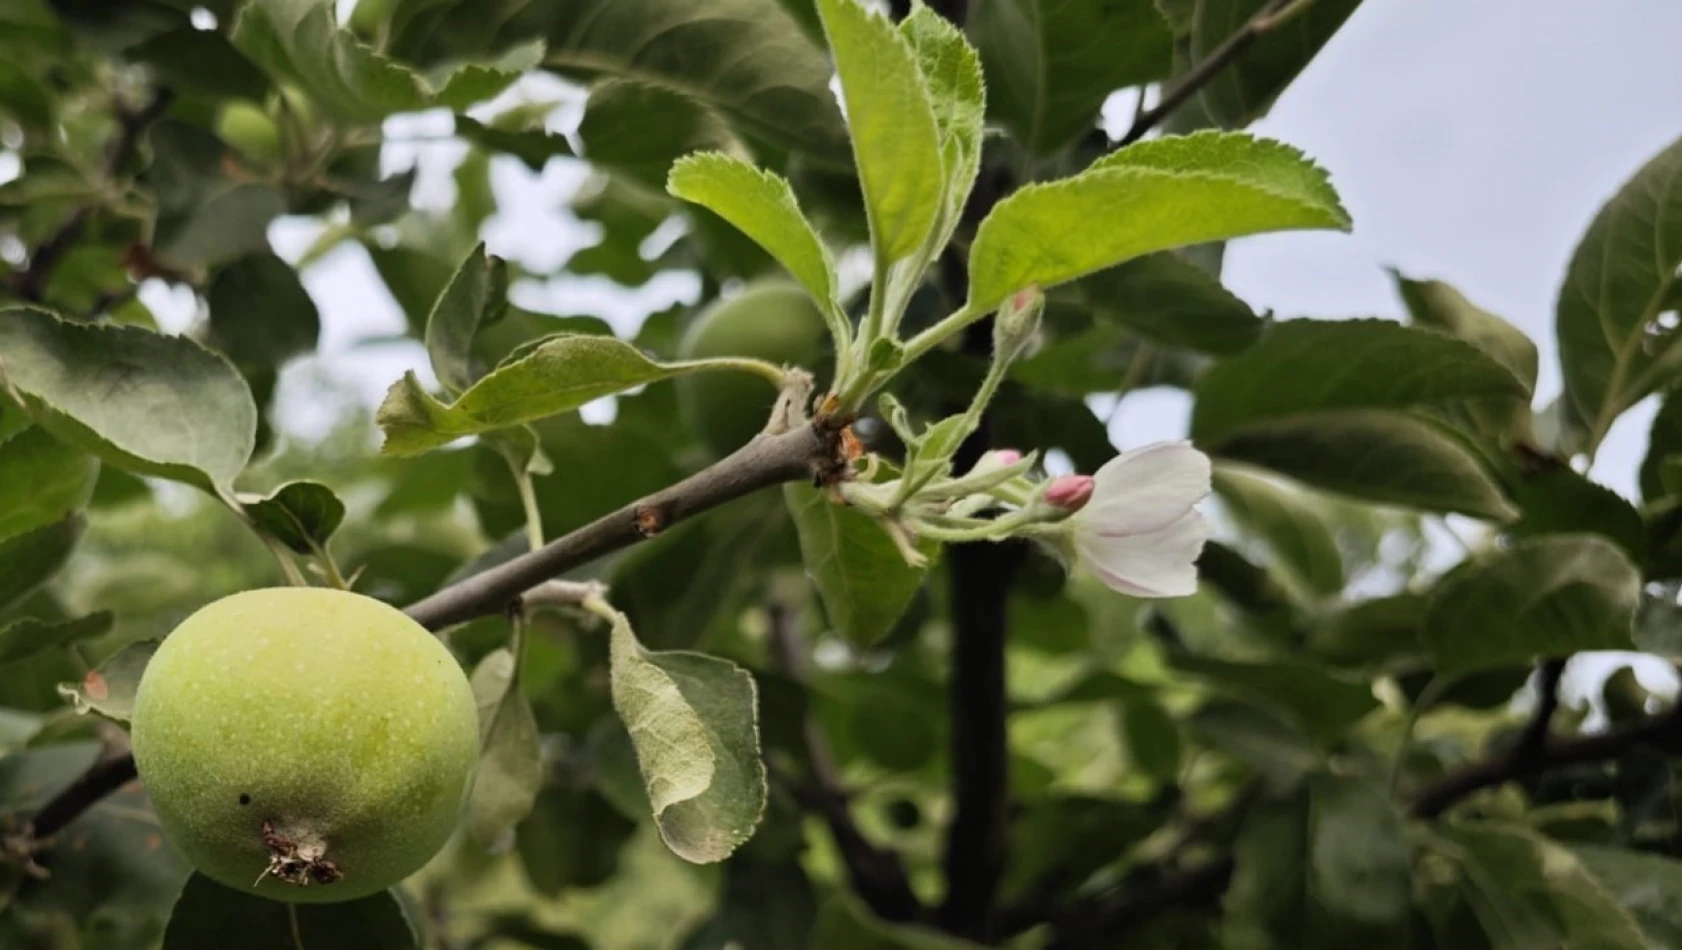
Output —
(1003, 457)
(1069, 492)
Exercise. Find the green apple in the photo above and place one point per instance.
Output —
(305, 744)
(772, 320)
(250, 131)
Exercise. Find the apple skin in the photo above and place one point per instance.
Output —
(305, 744)
(251, 131)
(770, 319)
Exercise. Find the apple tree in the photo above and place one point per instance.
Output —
(818, 610)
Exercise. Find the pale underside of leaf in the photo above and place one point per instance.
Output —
(896, 144)
(693, 722)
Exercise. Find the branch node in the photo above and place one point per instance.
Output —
(650, 519)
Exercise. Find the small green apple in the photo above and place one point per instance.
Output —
(251, 131)
(773, 320)
(305, 744)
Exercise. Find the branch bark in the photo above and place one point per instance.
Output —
(766, 461)
(1222, 56)
(1663, 732)
(104, 777)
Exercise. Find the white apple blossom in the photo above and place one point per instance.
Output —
(1140, 531)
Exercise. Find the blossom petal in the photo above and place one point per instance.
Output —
(1146, 489)
(1160, 563)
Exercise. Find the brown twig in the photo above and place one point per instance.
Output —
(765, 461)
(1663, 731)
(1222, 56)
(105, 776)
(877, 874)
(30, 283)
(1534, 738)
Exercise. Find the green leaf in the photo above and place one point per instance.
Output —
(639, 129)
(301, 515)
(1533, 892)
(300, 41)
(260, 314)
(152, 404)
(114, 876)
(201, 61)
(766, 903)
(1269, 886)
(1555, 499)
(1371, 632)
(675, 585)
(475, 296)
(1244, 90)
(27, 560)
(1619, 280)
(761, 205)
(776, 85)
(1164, 298)
(1382, 456)
(693, 720)
(22, 639)
(471, 83)
(1439, 306)
(560, 373)
(42, 480)
(109, 690)
(209, 916)
(1152, 738)
(1071, 837)
(1647, 885)
(532, 143)
(896, 142)
(1050, 65)
(864, 581)
(1266, 743)
(225, 221)
(1323, 703)
(572, 839)
(510, 770)
(1664, 442)
(1308, 366)
(1151, 196)
(1546, 596)
(1298, 532)
(1361, 864)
